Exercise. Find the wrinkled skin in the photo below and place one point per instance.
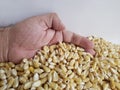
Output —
(28, 36)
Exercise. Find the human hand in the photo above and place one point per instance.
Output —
(28, 36)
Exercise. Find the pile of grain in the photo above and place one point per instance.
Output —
(65, 67)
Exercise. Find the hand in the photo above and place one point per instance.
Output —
(28, 36)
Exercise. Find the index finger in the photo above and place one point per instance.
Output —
(78, 40)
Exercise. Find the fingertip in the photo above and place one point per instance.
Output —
(91, 51)
(87, 43)
(91, 44)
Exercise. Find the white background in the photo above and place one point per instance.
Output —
(86, 17)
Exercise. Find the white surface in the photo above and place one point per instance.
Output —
(86, 17)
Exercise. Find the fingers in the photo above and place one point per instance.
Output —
(56, 38)
(91, 51)
(52, 21)
(78, 40)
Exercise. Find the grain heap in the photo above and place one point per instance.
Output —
(65, 67)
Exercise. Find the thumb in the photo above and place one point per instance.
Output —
(56, 22)
(53, 21)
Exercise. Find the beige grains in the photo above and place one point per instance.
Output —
(65, 67)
